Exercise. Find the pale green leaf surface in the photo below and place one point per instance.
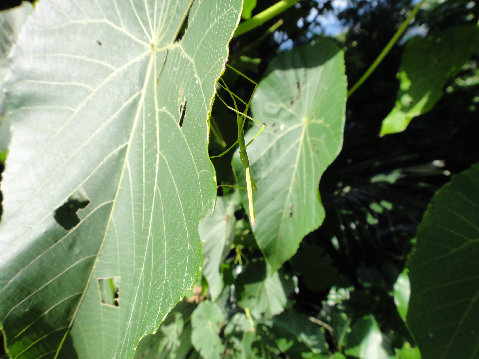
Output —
(217, 232)
(444, 272)
(426, 66)
(95, 93)
(301, 100)
(206, 322)
(11, 21)
(402, 291)
(365, 340)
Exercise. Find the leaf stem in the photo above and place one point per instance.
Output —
(252, 45)
(264, 16)
(386, 49)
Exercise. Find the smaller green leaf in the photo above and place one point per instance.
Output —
(206, 322)
(261, 292)
(402, 290)
(248, 7)
(406, 352)
(426, 66)
(240, 336)
(297, 336)
(217, 233)
(365, 340)
(340, 323)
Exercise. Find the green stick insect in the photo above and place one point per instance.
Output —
(240, 120)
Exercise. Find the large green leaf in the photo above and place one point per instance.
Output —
(110, 112)
(444, 272)
(302, 102)
(11, 21)
(426, 65)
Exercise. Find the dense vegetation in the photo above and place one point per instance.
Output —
(109, 122)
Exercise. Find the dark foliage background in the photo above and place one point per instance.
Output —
(377, 190)
(7, 4)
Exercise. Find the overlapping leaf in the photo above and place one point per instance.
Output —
(217, 233)
(109, 111)
(444, 272)
(206, 322)
(302, 102)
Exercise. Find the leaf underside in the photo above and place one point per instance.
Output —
(95, 94)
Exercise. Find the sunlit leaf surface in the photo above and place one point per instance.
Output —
(108, 173)
(301, 100)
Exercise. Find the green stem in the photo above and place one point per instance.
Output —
(264, 16)
(386, 50)
(267, 33)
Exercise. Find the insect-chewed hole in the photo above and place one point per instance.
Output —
(182, 112)
(291, 210)
(66, 215)
(109, 290)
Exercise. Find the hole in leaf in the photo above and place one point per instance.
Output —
(298, 96)
(182, 111)
(66, 215)
(291, 210)
(109, 289)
